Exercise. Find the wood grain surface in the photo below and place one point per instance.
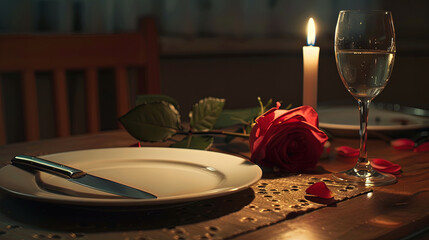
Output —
(395, 211)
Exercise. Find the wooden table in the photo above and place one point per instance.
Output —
(389, 212)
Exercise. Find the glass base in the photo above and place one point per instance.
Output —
(368, 178)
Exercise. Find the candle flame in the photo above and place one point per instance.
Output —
(311, 32)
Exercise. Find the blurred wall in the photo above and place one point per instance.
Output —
(235, 49)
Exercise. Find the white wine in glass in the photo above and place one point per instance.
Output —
(365, 52)
(365, 73)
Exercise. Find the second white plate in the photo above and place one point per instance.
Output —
(344, 120)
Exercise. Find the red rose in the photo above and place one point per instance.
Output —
(288, 139)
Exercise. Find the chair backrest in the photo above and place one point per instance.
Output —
(57, 53)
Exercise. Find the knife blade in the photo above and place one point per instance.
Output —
(80, 177)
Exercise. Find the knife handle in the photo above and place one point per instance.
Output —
(47, 166)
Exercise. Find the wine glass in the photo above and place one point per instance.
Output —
(364, 52)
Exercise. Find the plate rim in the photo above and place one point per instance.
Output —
(372, 127)
(73, 200)
(398, 127)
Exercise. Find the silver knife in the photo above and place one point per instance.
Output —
(80, 177)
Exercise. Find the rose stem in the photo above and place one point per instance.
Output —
(216, 132)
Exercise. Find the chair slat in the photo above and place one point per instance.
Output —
(61, 103)
(46, 52)
(149, 77)
(31, 113)
(92, 101)
(122, 91)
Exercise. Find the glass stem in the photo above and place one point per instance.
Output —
(363, 166)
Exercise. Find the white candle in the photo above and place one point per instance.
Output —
(311, 65)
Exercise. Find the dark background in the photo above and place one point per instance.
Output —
(233, 49)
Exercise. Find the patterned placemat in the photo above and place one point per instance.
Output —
(269, 201)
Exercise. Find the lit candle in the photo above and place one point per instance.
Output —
(311, 64)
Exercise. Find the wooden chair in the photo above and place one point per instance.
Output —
(58, 53)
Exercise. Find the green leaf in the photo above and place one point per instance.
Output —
(152, 122)
(234, 117)
(205, 113)
(152, 98)
(195, 142)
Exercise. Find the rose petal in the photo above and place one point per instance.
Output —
(137, 144)
(346, 151)
(384, 165)
(264, 121)
(424, 147)
(307, 114)
(320, 189)
(403, 144)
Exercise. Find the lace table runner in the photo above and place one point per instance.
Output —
(269, 201)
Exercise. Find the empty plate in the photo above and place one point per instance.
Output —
(174, 175)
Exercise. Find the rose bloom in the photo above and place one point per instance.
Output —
(288, 139)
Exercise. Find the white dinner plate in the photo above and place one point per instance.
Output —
(344, 120)
(173, 175)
